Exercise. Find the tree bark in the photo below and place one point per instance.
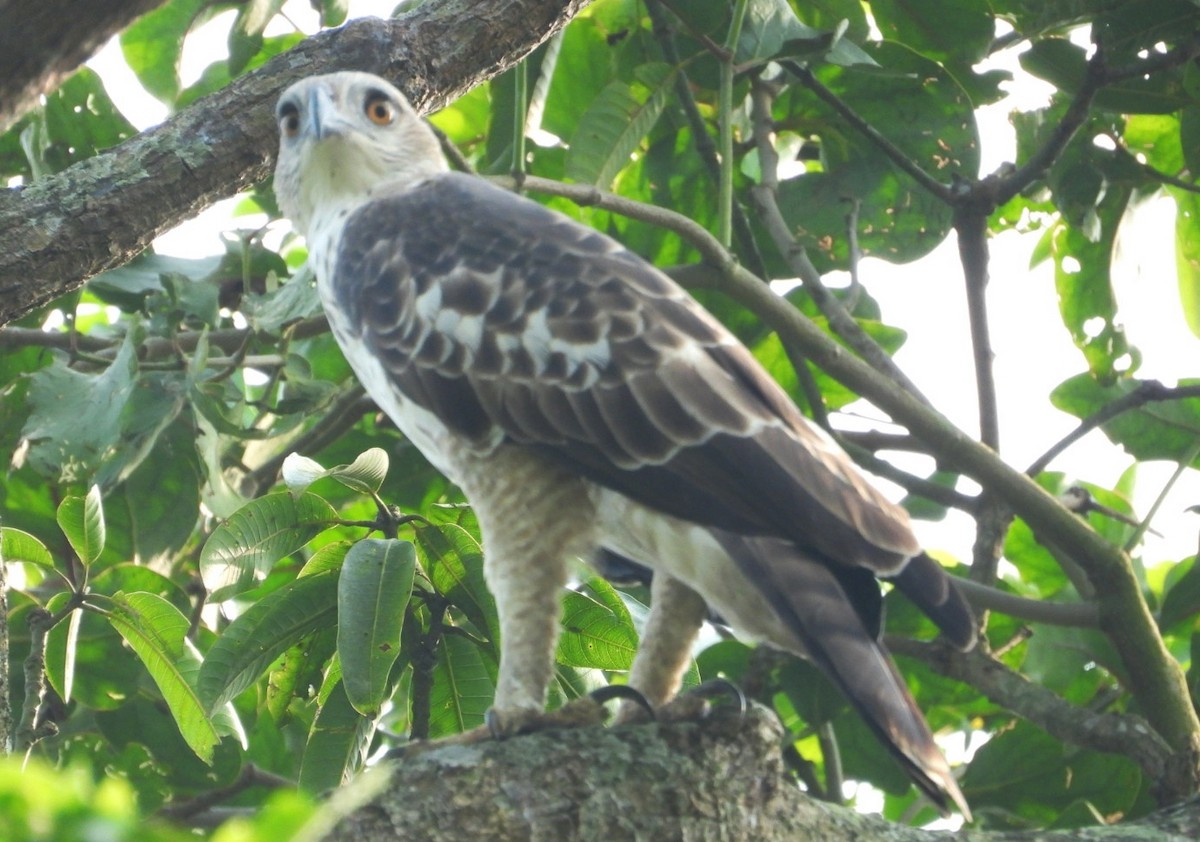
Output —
(62, 230)
(42, 42)
(720, 779)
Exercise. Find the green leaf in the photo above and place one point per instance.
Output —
(615, 123)
(333, 12)
(594, 635)
(152, 46)
(157, 631)
(246, 35)
(453, 560)
(266, 630)
(464, 683)
(246, 546)
(337, 743)
(75, 418)
(956, 31)
(17, 545)
(373, 592)
(1154, 430)
(82, 521)
(1182, 601)
(933, 124)
(1027, 773)
(1187, 254)
(771, 30)
(365, 474)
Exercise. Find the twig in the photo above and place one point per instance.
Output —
(250, 776)
(1125, 734)
(891, 150)
(747, 245)
(29, 731)
(1079, 615)
(1148, 391)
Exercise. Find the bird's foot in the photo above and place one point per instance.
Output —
(696, 703)
(583, 712)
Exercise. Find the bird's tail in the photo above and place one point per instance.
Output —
(814, 606)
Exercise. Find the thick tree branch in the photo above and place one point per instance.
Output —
(42, 42)
(60, 231)
(721, 779)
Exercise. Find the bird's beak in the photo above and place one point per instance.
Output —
(324, 121)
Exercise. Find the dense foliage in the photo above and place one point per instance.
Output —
(234, 574)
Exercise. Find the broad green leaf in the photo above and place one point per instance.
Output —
(82, 521)
(771, 30)
(453, 561)
(373, 591)
(933, 124)
(337, 743)
(365, 474)
(1154, 430)
(947, 31)
(1025, 772)
(73, 625)
(157, 631)
(152, 46)
(105, 672)
(464, 683)
(75, 418)
(594, 635)
(17, 545)
(246, 34)
(243, 549)
(1182, 601)
(333, 12)
(1187, 255)
(615, 123)
(266, 630)
(75, 122)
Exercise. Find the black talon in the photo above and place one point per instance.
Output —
(622, 691)
(715, 688)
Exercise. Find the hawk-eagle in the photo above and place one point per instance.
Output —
(589, 407)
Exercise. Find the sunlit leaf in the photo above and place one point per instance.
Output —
(82, 521)
(157, 632)
(245, 547)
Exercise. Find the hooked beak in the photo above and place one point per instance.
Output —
(324, 120)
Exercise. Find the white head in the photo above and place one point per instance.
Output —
(343, 137)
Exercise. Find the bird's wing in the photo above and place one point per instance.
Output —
(512, 323)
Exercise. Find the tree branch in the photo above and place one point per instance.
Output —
(1148, 391)
(60, 231)
(42, 42)
(1125, 734)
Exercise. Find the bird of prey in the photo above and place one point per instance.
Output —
(589, 407)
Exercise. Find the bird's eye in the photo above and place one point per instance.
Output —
(289, 119)
(379, 109)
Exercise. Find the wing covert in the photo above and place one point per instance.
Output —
(512, 323)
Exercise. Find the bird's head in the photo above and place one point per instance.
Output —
(344, 137)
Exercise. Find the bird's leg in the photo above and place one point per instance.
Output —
(534, 516)
(676, 614)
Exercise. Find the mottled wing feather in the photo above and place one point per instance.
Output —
(492, 312)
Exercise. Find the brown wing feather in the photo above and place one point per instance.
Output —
(588, 352)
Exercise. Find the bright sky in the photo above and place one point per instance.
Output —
(1033, 350)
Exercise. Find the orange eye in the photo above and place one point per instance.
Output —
(379, 110)
(289, 120)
